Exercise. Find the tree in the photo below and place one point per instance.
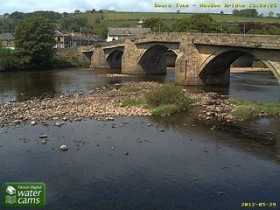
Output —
(34, 41)
(270, 14)
(77, 11)
(73, 23)
(245, 12)
(65, 14)
(8, 60)
(198, 23)
(16, 15)
(278, 15)
(156, 24)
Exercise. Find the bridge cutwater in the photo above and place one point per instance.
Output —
(202, 59)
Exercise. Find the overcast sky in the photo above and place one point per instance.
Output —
(123, 5)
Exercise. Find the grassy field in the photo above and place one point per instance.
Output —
(128, 17)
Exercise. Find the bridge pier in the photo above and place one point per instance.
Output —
(130, 59)
(274, 66)
(98, 60)
(186, 66)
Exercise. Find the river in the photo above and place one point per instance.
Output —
(140, 163)
(18, 86)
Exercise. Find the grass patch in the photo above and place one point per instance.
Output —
(129, 89)
(165, 109)
(132, 102)
(249, 110)
(167, 99)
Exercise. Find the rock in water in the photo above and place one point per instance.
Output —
(43, 136)
(63, 148)
(16, 122)
(33, 123)
(58, 124)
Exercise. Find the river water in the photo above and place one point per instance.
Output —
(18, 86)
(176, 163)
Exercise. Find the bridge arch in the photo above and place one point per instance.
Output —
(215, 70)
(85, 57)
(171, 57)
(154, 59)
(114, 59)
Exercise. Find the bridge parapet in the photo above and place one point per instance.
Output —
(238, 40)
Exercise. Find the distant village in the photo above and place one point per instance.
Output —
(75, 39)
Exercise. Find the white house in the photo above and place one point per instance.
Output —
(120, 33)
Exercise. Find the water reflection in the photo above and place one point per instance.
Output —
(258, 86)
(19, 86)
(250, 137)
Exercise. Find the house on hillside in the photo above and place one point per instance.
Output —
(120, 33)
(7, 40)
(61, 39)
(81, 39)
(139, 24)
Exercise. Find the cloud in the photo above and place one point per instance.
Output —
(121, 5)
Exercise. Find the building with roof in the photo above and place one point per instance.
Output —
(7, 40)
(61, 39)
(76, 41)
(139, 24)
(120, 33)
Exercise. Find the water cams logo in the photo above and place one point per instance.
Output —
(24, 194)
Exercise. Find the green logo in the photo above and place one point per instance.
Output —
(24, 194)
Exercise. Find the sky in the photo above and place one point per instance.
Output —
(9, 6)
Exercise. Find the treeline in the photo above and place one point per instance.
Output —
(10, 21)
(253, 13)
(246, 13)
(94, 22)
(65, 21)
(203, 23)
(197, 23)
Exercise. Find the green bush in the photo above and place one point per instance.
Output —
(8, 61)
(60, 62)
(167, 99)
(165, 94)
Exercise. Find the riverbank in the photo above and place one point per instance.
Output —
(10, 61)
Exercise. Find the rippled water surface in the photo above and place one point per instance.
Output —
(177, 163)
(170, 165)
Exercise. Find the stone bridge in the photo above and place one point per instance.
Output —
(202, 59)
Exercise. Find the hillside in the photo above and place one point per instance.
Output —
(121, 17)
